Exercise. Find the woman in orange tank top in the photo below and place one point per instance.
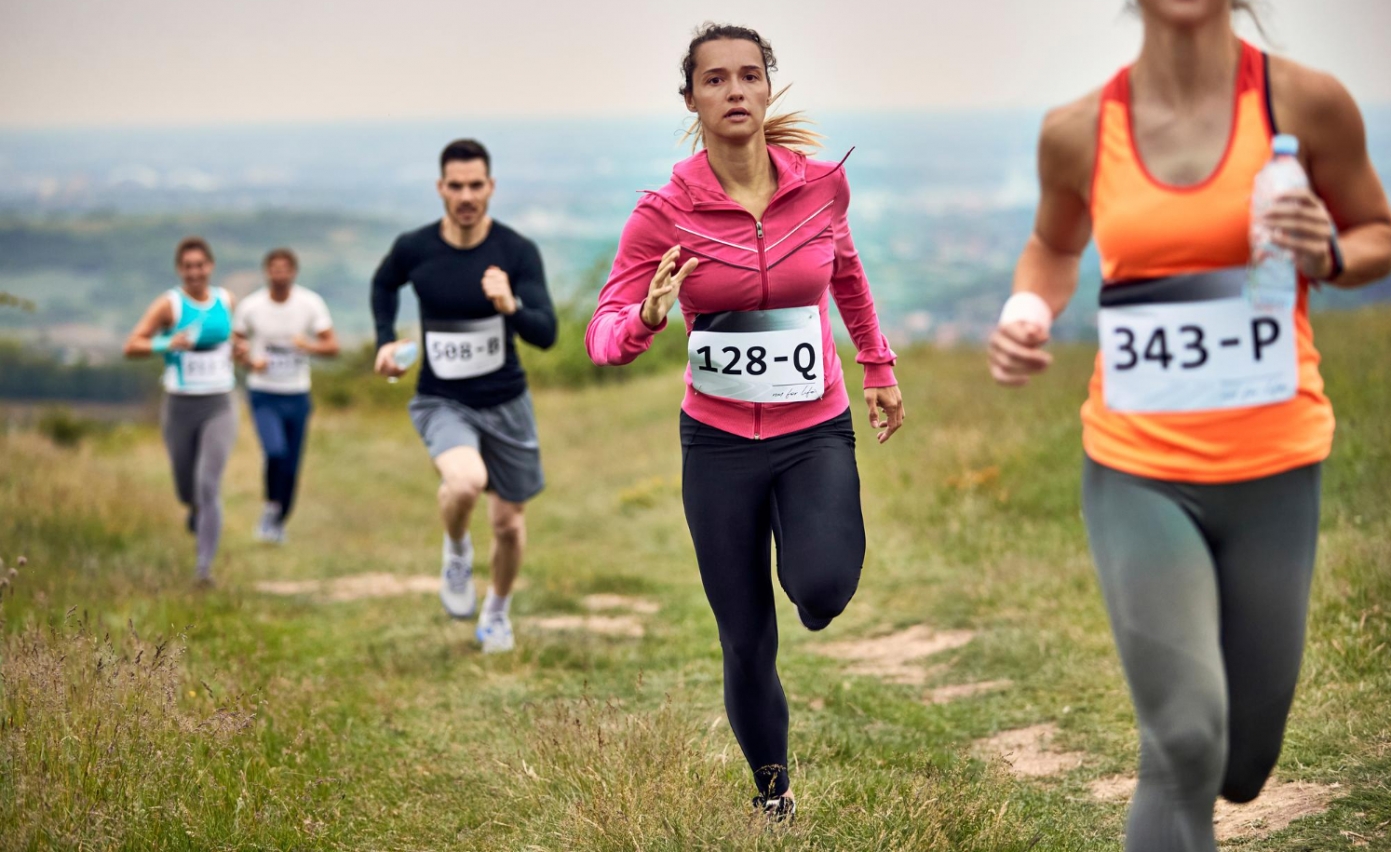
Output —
(1206, 423)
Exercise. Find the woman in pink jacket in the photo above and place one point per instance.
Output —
(751, 237)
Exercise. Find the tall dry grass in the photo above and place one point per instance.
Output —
(594, 776)
(106, 743)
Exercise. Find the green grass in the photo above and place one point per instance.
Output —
(137, 713)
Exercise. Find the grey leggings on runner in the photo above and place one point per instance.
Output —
(1208, 590)
(199, 432)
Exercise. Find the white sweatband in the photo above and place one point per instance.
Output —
(1028, 307)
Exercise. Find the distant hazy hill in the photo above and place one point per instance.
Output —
(88, 220)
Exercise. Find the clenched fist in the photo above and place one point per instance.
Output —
(498, 288)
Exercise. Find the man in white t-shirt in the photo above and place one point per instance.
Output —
(277, 328)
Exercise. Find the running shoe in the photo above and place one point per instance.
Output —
(270, 519)
(495, 633)
(456, 581)
(776, 808)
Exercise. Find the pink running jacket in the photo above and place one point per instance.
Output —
(799, 253)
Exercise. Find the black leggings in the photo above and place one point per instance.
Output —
(1208, 589)
(804, 489)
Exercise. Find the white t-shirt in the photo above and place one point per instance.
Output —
(271, 328)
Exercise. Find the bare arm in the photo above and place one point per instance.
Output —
(328, 343)
(1347, 192)
(241, 349)
(324, 344)
(1052, 257)
(159, 316)
(1049, 265)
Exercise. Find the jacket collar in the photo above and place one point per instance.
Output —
(693, 182)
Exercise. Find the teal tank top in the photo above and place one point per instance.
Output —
(207, 367)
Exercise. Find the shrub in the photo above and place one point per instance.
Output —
(66, 429)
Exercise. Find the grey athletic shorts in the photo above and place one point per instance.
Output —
(504, 435)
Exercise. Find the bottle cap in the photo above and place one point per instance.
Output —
(1285, 144)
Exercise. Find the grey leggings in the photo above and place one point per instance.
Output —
(1208, 590)
(199, 432)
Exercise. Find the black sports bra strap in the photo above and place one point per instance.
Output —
(1193, 287)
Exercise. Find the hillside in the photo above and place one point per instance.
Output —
(318, 699)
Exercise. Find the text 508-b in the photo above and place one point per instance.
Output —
(463, 351)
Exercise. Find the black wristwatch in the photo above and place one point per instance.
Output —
(1335, 253)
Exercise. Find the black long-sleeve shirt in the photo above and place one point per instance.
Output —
(448, 282)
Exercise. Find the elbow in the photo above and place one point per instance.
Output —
(540, 337)
(599, 354)
(1378, 272)
(612, 357)
(1383, 265)
(131, 350)
(1373, 266)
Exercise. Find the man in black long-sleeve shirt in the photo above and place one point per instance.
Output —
(480, 286)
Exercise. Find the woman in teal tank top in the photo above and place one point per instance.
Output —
(205, 367)
(191, 328)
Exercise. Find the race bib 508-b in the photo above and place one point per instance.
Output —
(465, 349)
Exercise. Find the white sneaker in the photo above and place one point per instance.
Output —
(270, 518)
(495, 633)
(456, 581)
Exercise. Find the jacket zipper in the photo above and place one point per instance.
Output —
(762, 305)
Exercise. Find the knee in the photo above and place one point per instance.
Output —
(510, 532)
(1245, 788)
(749, 655)
(206, 490)
(1246, 776)
(825, 595)
(1193, 751)
(461, 489)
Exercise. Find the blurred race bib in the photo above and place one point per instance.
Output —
(209, 367)
(284, 363)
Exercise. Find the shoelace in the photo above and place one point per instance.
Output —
(777, 808)
(458, 575)
(495, 621)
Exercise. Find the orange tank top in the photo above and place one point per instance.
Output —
(1146, 229)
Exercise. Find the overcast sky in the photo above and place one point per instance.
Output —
(144, 62)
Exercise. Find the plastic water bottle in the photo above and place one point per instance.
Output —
(1272, 277)
(404, 356)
